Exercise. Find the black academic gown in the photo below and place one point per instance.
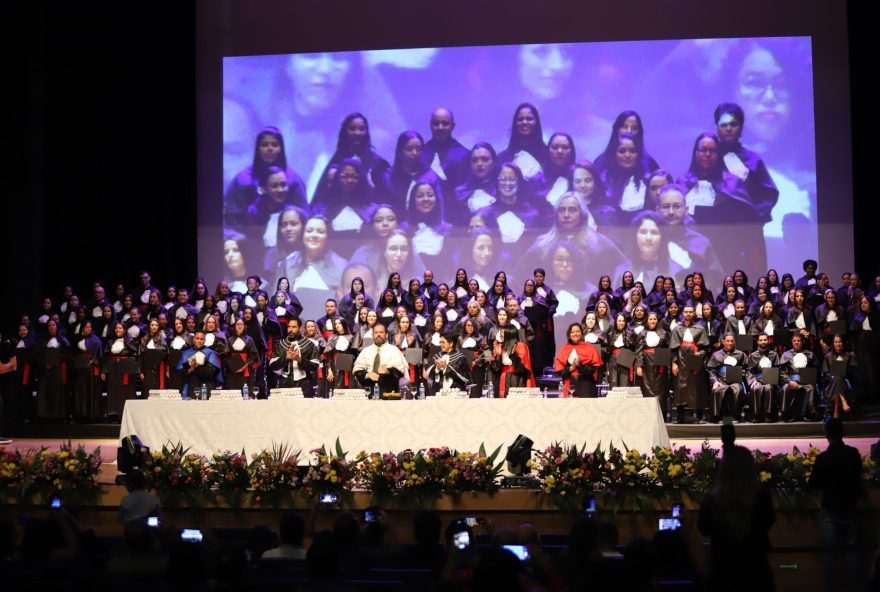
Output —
(763, 398)
(288, 371)
(654, 380)
(51, 360)
(241, 353)
(691, 387)
(120, 368)
(727, 396)
(456, 375)
(177, 344)
(152, 355)
(86, 355)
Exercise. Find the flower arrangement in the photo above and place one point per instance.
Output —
(174, 470)
(418, 477)
(274, 473)
(564, 473)
(70, 471)
(330, 473)
(226, 473)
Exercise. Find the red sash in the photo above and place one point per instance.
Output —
(247, 370)
(124, 376)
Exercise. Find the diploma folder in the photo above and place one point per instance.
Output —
(344, 362)
(745, 343)
(626, 358)
(770, 376)
(662, 356)
(733, 374)
(413, 355)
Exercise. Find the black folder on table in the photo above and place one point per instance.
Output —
(770, 375)
(344, 362)
(662, 356)
(733, 374)
(692, 362)
(808, 375)
(782, 337)
(414, 355)
(745, 343)
(626, 358)
(838, 368)
(837, 327)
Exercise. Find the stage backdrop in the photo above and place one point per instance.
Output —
(575, 89)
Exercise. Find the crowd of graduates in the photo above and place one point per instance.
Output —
(82, 358)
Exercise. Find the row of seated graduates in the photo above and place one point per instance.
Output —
(184, 310)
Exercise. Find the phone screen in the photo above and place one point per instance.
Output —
(56, 503)
(471, 521)
(669, 524)
(328, 498)
(191, 535)
(153, 522)
(676, 510)
(521, 552)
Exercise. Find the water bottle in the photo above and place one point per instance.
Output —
(203, 393)
(421, 391)
(245, 392)
(544, 393)
(330, 393)
(490, 392)
(376, 391)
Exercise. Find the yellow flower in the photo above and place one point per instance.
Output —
(550, 480)
(334, 479)
(674, 470)
(765, 476)
(790, 457)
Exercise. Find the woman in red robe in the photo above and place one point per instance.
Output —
(578, 363)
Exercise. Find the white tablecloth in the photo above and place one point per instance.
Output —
(392, 426)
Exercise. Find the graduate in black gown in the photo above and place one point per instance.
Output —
(763, 398)
(448, 369)
(179, 340)
(241, 360)
(443, 154)
(118, 368)
(837, 388)
(152, 354)
(50, 355)
(295, 360)
(728, 396)
(526, 147)
(478, 189)
(353, 143)
(86, 352)
(244, 189)
(798, 399)
(426, 224)
(721, 207)
(652, 376)
(619, 337)
(863, 330)
(535, 308)
(21, 406)
(691, 387)
(744, 163)
(340, 342)
(408, 168)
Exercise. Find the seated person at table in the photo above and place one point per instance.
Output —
(449, 369)
(798, 400)
(380, 363)
(295, 359)
(727, 396)
(199, 365)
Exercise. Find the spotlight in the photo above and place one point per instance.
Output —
(518, 454)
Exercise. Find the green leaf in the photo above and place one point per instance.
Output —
(482, 449)
(339, 452)
(492, 456)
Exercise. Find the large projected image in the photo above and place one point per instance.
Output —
(590, 159)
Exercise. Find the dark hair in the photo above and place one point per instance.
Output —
(435, 217)
(362, 192)
(834, 428)
(402, 139)
(535, 141)
(572, 157)
(258, 167)
(730, 109)
(717, 169)
(292, 529)
(343, 145)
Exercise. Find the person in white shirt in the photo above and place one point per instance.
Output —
(380, 363)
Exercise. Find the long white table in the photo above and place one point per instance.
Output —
(392, 426)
